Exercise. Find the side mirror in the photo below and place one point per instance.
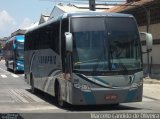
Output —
(149, 40)
(69, 42)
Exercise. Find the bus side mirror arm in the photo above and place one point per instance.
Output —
(146, 52)
(69, 50)
(69, 42)
(149, 41)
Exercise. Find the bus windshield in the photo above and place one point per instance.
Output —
(105, 44)
(20, 51)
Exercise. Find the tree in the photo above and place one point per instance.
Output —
(0, 46)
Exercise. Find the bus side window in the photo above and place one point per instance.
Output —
(53, 36)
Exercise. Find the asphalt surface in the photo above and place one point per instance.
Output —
(16, 98)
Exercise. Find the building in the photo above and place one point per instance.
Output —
(3, 41)
(22, 31)
(2, 44)
(18, 32)
(43, 18)
(60, 9)
(147, 14)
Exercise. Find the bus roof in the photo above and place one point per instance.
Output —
(81, 14)
(93, 14)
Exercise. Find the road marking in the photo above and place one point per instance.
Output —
(44, 107)
(3, 76)
(14, 75)
(5, 71)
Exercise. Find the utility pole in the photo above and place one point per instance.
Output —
(92, 5)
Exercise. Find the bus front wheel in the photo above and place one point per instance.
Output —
(58, 96)
(7, 65)
(33, 90)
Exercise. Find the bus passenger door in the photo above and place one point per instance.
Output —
(42, 70)
(34, 69)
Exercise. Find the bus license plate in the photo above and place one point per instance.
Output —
(111, 97)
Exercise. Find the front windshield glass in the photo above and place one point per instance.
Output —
(89, 49)
(20, 50)
(124, 44)
(105, 44)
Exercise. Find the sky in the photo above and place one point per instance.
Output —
(16, 14)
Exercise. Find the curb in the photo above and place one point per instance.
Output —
(151, 81)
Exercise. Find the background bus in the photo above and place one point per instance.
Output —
(86, 58)
(14, 53)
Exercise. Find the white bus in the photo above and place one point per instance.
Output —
(88, 58)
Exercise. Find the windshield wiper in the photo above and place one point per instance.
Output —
(87, 61)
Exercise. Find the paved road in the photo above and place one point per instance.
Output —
(15, 97)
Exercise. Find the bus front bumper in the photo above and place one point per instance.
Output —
(99, 96)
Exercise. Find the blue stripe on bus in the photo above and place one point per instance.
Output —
(20, 67)
(89, 98)
(50, 73)
(131, 95)
(101, 80)
(81, 76)
(96, 78)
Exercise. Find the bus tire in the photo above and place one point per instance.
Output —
(115, 105)
(7, 66)
(58, 96)
(33, 90)
(14, 69)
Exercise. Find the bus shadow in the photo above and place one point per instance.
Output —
(17, 72)
(101, 108)
(51, 100)
(44, 96)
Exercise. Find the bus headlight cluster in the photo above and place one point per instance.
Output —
(140, 83)
(82, 86)
(19, 64)
(136, 85)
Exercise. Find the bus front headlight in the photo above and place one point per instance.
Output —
(85, 87)
(19, 64)
(140, 83)
(82, 86)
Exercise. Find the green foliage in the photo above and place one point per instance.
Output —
(0, 46)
